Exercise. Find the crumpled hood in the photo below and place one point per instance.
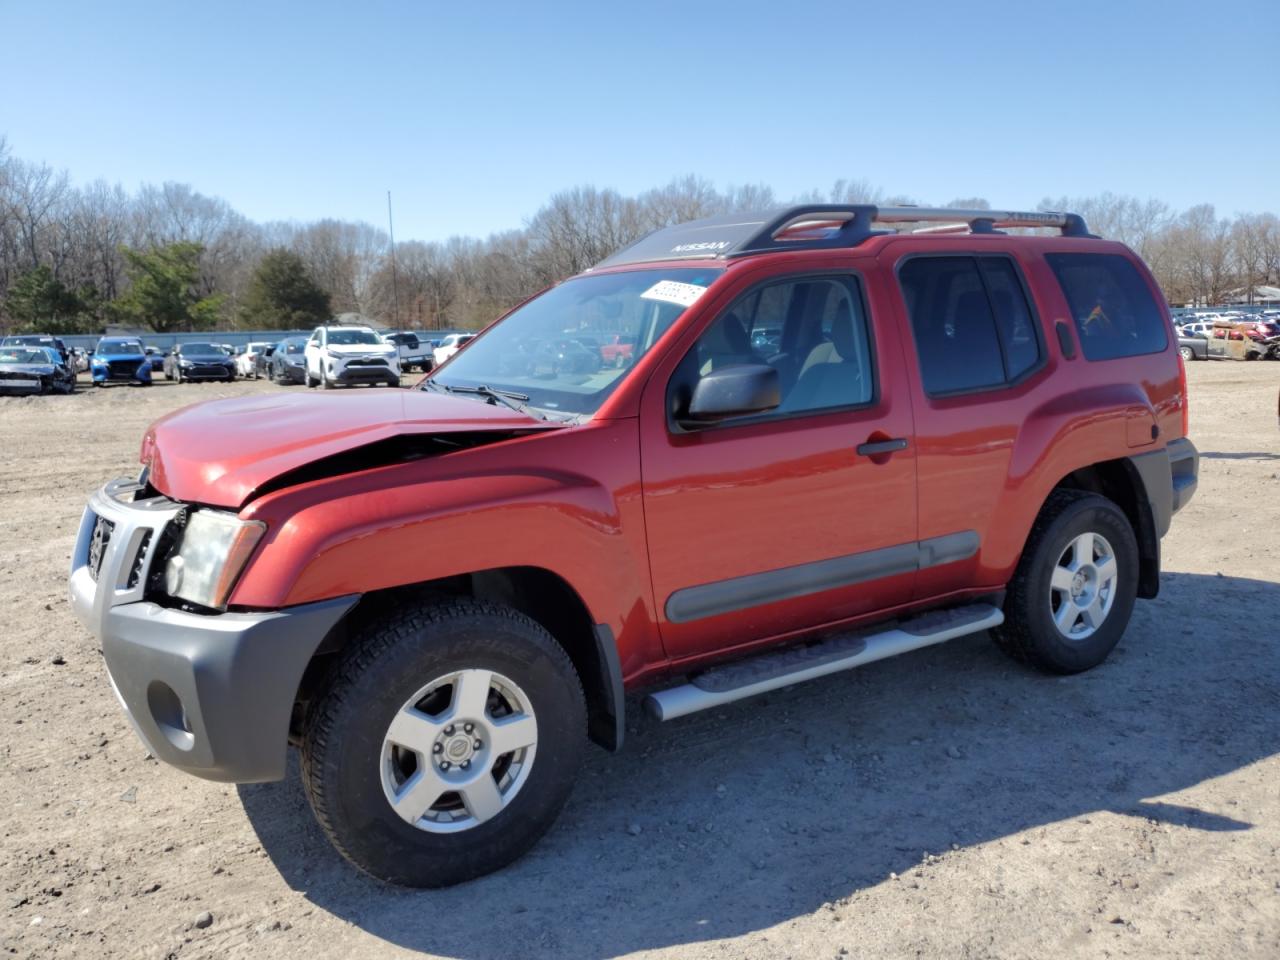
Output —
(42, 369)
(221, 451)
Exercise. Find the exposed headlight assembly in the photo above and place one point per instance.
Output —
(210, 556)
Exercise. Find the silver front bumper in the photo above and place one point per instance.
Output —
(210, 694)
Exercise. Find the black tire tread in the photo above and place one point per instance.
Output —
(399, 624)
(1015, 636)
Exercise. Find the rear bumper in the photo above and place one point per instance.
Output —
(209, 694)
(1170, 477)
(1184, 468)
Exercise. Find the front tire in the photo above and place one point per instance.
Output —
(444, 743)
(1071, 597)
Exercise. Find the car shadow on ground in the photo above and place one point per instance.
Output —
(738, 819)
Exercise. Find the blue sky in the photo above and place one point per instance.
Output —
(473, 114)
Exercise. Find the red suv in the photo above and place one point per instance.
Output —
(439, 595)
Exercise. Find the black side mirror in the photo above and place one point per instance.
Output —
(735, 391)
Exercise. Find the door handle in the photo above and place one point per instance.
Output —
(879, 447)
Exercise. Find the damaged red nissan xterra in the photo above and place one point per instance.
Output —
(831, 441)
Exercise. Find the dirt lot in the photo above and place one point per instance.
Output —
(945, 804)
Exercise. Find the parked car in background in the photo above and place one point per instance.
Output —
(247, 358)
(120, 360)
(1249, 339)
(199, 361)
(1200, 348)
(38, 340)
(156, 356)
(78, 358)
(451, 345)
(289, 361)
(28, 370)
(1197, 328)
(766, 341)
(412, 350)
(343, 356)
(616, 349)
(262, 361)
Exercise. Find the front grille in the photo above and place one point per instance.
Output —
(135, 572)
(122, 369)
(367, 362)
(206, 370)
(102, 530)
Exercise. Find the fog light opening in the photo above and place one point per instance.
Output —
(170, 715)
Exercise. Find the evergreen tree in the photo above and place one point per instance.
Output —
(163, 293)
(283, 295)
(40, 302)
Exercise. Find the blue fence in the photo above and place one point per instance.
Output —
(237, 338)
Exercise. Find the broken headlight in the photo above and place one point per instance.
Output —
(209, 557)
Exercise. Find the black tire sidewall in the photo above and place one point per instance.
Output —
(1053, 650)
(361, 820)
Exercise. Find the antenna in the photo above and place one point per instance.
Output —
(395, 288)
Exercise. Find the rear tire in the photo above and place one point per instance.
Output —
(403, 677)
(1187, 353)
(1078, 540)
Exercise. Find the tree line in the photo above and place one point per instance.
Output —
(74, 258)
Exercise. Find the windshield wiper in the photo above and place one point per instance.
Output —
(516, 401)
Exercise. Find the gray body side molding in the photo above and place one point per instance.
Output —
(740, 593)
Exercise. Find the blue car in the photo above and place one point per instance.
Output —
(119, 360)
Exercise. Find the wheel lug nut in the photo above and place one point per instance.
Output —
(448, 731)
(437, 748)
(478, 744)
(465, 764)
(445, 764)
(468, 727)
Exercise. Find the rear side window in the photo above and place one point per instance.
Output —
(973, 327)
(1114, 312)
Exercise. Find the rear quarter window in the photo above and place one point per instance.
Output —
(1112, 306)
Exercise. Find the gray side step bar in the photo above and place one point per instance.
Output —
(770, 671)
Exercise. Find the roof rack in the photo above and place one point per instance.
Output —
(818, 226)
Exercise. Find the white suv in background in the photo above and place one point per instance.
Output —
(451, 345)
(346, 355)
(247, 359)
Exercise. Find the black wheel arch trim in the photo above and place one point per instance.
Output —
(608, 729)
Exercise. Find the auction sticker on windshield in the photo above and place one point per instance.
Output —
(673, 291)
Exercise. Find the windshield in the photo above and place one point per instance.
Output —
(294, 346)
(550, 349)
(24, 355)
(117, 347)
(347, 338)
(201, 348)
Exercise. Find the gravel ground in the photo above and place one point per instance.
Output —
(947, 803)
